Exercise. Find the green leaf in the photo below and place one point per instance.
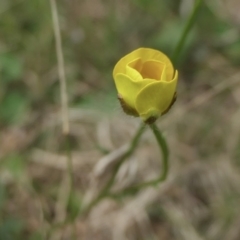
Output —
(10, 68)
(13, 108)
(11, 229)
(15, 164)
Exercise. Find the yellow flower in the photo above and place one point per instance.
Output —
(146, 83)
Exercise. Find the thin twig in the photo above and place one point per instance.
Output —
(65, 114)
(61, 69)
(63, 87)
(217, 89)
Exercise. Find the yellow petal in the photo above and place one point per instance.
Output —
(152, 69)
(155, 98)
(136, 64)
(145, 54)
(133, 69)
(128, 89)
(164, 75)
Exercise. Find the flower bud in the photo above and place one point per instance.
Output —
(146, 83)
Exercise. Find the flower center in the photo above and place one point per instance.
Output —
(149, 69)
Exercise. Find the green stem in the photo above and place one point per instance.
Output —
(165, 166)
(165, 153)
(188, 26)
(105, 191)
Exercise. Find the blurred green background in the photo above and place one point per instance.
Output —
(202, 129)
